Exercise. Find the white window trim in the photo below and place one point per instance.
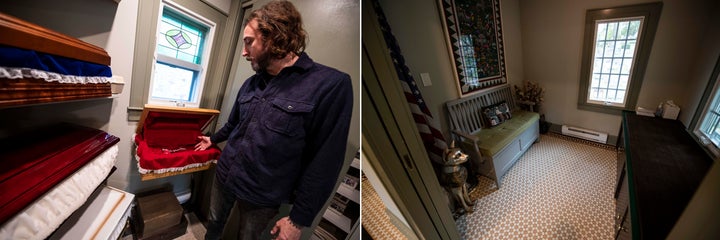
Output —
(710, 145)
(633, 64)
(220, 63)
(651, 12)
(178, 62)
(705, 141)
(205, 56)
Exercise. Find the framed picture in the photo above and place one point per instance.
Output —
(350, 181)
(474, 33)
(338, 206)
(340, 199)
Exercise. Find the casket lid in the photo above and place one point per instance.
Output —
(204, 116)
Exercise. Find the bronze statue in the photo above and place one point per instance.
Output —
(454, 175)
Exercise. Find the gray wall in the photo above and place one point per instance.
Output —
(419, 31)
(552, 43)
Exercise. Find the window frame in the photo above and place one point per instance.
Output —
(612, 59)
(200, 76)
(712, 89)
(219, 62)
(651, 14)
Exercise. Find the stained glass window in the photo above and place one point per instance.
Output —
(178, 69)
(179, 39)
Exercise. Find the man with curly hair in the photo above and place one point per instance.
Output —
(286, 134)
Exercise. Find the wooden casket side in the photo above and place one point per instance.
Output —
(22, 89)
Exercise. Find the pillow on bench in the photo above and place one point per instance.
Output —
(496, 114)
(492, 140)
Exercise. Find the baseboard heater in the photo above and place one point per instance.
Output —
(584, 134)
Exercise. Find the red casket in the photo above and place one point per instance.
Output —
(35, 162)
(166, 138)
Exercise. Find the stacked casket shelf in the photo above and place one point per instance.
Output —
(38, 65)
(166, 138)
(51, 172)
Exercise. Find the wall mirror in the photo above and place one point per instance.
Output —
(474, 33)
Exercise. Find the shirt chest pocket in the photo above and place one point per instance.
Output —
(287, 116)
(245, 107)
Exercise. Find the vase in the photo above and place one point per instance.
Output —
(544, 125)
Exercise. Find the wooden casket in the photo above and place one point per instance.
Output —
(38, 65)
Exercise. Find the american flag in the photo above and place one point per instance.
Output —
(427, 126)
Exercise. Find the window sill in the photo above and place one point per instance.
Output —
(705, 143)
(134, 113)
(602, 108)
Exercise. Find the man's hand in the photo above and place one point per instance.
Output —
(284, 229)
(203, 144)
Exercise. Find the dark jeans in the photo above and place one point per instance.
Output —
(253, 219)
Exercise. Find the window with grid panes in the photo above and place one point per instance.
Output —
(615, 53)
(709, 126)
(707, 121)
(613, 59)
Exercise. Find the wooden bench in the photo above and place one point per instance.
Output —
(493, 151)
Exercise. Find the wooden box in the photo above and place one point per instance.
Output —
(158, 213)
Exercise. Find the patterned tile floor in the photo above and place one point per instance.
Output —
(561, 188)
(374, 218)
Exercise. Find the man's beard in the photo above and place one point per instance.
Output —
(261, 62)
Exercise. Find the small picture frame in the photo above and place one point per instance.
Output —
(350, 181)
(338, 206)
(341, 199)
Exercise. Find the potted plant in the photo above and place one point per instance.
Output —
(530, 96)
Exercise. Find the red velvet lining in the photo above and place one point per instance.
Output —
(34, 163)
(156, 158)
(173, 130)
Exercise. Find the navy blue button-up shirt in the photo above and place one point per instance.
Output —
(287, 138)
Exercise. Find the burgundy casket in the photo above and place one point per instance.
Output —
(35, 162)
(166, 138)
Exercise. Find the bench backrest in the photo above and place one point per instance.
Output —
(465, 113)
